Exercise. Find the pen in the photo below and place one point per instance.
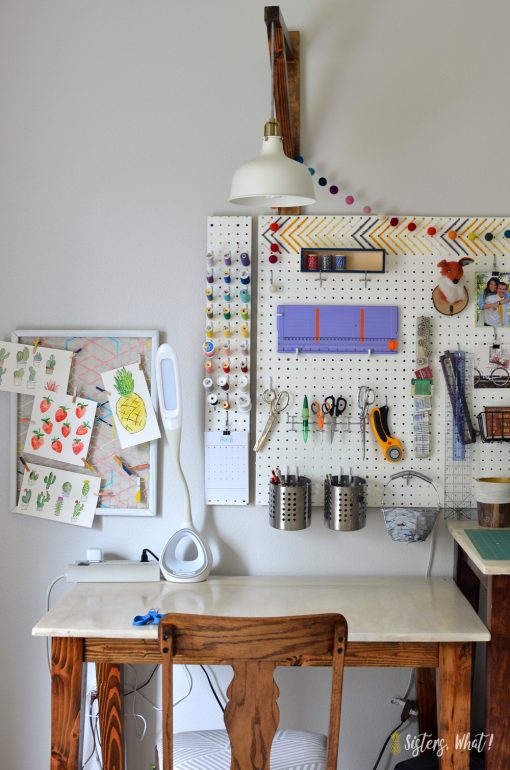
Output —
(305, 416)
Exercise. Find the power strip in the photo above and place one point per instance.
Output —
(114, 571)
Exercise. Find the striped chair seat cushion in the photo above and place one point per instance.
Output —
(210, 750)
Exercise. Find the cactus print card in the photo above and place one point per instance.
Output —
(131, 405)
(60, 427)
(61, 496)
(23, 370)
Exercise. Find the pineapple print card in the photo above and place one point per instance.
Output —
(131, 405)
(62, 496)
(60, 427)
(24, 368)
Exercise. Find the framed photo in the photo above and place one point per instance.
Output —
(96, 351)
(492, 306)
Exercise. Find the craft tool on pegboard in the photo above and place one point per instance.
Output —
(226, 359)
(413, 245)
(422, 388)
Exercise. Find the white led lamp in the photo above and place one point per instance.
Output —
(173, 564)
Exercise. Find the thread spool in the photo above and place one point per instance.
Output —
(209, 348)
(223, 383)
(326, 261)
(226, 294)
(244, 295)
(340, 261)
(245, 330)
(225, 346)
(210, 259)
(212, 399)
(209, 311)
(209, 329)
(245, 259)
(226, 312)
(226, 275)
(243, 383)
(210, 276)
(225, 405)
(244, 403)
(245, 345)
(245, 277)
(227, 259)
(208, 365)
(312, 261)
(208, 384)
(273, 259)
(244, 365)
(226, 366)
(209, 292)
(227, 332)
(245, 314)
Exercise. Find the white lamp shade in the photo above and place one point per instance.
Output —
(272, 179)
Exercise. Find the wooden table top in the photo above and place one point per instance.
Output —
(378, 609)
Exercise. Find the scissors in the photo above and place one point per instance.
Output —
(277, 402)
(319, 412)
(333, 407)
(366, 398)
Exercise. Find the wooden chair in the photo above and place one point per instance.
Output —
(254, 647)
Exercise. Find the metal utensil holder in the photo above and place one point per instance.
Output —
(290, 503)
(345, 503)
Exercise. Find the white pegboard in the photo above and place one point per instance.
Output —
(411, 275)
(228, 236)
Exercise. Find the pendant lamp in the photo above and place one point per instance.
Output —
(272, 179)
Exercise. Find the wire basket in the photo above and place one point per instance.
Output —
(406, 524)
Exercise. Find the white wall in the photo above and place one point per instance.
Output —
(121, 124)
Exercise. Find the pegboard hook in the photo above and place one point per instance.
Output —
(365, 279)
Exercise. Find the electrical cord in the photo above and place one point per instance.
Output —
(48, 595)
(432, 548)
(93, 698)
(388, 739)
(144, 556)
(212, 688)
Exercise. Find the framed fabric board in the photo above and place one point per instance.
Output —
(99, 351)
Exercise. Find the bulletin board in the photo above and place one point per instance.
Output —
(99, 351)
(411, 274)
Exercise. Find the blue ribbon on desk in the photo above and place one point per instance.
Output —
(153, 617)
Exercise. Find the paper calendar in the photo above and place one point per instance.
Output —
(226, 468)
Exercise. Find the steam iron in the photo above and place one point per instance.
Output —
(186, 557)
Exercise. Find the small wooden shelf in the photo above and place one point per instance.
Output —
(356, 260)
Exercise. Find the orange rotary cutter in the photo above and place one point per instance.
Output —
(392, 448)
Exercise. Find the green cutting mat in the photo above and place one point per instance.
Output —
(491, 544)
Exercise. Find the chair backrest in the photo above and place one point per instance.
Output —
(254, 647)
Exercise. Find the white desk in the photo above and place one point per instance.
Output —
(393, 621)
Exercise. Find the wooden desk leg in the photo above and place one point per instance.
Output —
(109, 693)
(427, 702)
(466, 579)
(454, 717)
(497, 720)
(66, 687)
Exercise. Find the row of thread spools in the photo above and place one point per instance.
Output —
(220, 342)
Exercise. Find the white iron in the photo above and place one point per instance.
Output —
(172, 562)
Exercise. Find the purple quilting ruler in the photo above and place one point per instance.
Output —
(337, 328)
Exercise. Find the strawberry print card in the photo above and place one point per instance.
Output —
(24, 369)
(66, 497)
(131, 405)
(60, 427)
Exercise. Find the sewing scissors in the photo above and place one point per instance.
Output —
(318, 411)
(277, 402)
(366, 398)
(333, 407)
